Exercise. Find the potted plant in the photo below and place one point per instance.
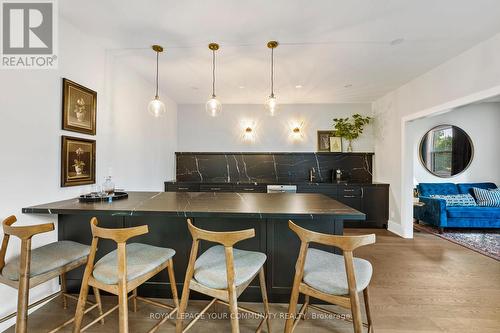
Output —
(78, 163)
(350, 128)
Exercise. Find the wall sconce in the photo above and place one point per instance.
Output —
(296, 131)
(248, 131)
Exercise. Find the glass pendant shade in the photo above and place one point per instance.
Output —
(272, 102)
(272, 105)
(213, 107)
(156, 107)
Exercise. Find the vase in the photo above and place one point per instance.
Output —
(349, 146)
(78, 170)
(80, 116)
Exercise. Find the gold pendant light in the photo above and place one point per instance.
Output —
(156, 107)
(272, 102)
(213, 106)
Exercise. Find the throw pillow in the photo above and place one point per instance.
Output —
(456, 200)
(487, 198)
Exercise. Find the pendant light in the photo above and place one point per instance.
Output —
(213, 105)
(272, 103)
(156, 107)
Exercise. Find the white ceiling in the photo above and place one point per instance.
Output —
(325, 44)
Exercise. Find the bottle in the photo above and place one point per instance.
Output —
(108, 187)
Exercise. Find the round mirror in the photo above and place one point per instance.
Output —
(446, 151)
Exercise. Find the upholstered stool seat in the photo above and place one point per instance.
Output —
(210, 268)
(326, 272)
(47, 258)
(141, 259)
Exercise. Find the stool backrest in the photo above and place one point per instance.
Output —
(24, 233)
(346, 243)
(120, 236)
(227, 238)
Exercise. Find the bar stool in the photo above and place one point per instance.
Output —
(223, 273)
(122, 271)
(35, 266)
(332, 278)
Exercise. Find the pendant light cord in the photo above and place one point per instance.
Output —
(272, 72)
(157, 53)
(213, 73)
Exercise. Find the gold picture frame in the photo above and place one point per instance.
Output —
(335, 144)
(77, 161)
(324, 140)
(79, 108)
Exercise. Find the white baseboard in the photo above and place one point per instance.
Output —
(397, 229)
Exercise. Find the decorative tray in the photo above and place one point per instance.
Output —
(93, 197)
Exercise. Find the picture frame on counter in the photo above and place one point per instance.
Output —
(335, 144)
(324, 140)
(77, 161)
(79, 108)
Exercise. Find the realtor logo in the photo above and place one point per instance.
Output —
(28, 34)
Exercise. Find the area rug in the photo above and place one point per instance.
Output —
(484, 241)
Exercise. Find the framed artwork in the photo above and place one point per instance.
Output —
(324, 140)
(77, 161)
(79, 105)
(335, 144)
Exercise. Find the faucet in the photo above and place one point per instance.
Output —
(312, 174)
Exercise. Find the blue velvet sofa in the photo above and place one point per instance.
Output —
(436, 213)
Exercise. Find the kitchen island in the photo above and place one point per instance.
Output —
(165, 213)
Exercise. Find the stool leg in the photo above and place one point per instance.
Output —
(24, 285)
(185, 288)
(356, 312)
(173, 286)
(134, 300)
(182, 306)
(63, 290)
(82, 298)
(97, 295)
(263, 290)
(366, 297)
(233, 306)
(123, 308)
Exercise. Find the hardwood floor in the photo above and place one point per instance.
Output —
(423, 285)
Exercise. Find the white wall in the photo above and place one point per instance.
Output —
(142, 146)
(30, 136)
(475, 72)
(199, 132)
(481, 122)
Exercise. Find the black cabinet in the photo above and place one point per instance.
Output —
(182, 187)
(216, 188)
(375, 205)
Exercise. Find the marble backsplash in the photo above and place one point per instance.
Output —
(271, 167)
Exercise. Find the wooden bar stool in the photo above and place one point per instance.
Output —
(122, 271)
(223, 273)
(35, 266)
(330, 277)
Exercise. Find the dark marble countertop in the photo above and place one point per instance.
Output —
(342, 183)
(208, 204)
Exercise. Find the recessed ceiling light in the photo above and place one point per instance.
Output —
(348, 85)
(241, 87)
(298, 86)
(397, 41)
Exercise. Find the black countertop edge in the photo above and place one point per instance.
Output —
(304, 183)
(271, 153)
(336, 216)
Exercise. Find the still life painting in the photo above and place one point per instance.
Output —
(79, 108)
(78, 161)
